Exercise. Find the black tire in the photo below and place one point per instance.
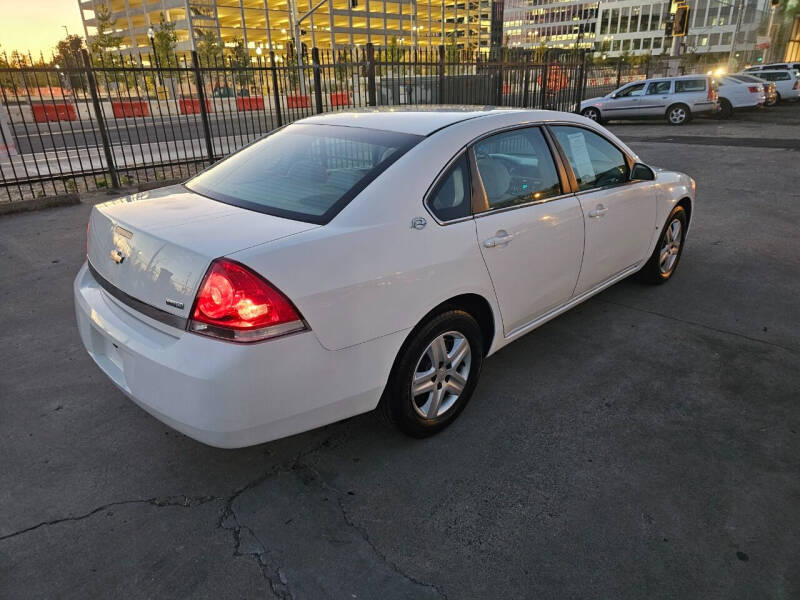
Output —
(652, 271)
(778, 98)
(725, 109)
(673, 112)
(590, 112)
(773, 103)
(397, 403)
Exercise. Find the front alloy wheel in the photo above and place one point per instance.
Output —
(434, 374)
(670, 247)
(664, 260)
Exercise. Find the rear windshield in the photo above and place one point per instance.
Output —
(746, 78)
(774, 75)
(690, 85)
(304, 172)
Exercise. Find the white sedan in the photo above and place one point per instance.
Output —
(352, 260)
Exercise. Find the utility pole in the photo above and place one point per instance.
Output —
(298, 46)
(739, 14)
(769, 33)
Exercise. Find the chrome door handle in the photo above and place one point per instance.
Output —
(599, 211)
(500, 239)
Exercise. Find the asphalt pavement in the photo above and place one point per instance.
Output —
(645, 444)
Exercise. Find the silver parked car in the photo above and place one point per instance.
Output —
(677, 99)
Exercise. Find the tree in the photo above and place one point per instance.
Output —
(209, 48)
(105, 23)
(240, 61)
(67, 57)
(164, 40)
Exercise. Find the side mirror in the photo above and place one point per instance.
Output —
(612, 96)
(641, 172)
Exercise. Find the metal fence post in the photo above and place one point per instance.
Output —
(543, 88)
(101, 124)
(498, 101)
(441, 75)
(619, 73)
(317, 79)
(526, 80)
(371, 75)
(276, 94)
(201, 95)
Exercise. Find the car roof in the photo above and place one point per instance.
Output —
(425, 120)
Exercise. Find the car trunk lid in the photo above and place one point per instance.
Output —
(156, 246)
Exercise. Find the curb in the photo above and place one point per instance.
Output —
(8, 208)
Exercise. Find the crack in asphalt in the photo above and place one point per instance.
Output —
(182, 501)
(362, 532)
(274, 577)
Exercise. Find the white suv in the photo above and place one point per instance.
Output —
(675, 98)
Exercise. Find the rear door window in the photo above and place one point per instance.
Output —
(516, 167)
(659, 87)
(690, 85)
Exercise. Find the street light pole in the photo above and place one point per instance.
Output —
(298, 47)
(152, 35)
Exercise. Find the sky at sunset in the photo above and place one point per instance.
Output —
(36, 25)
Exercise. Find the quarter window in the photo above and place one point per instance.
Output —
(595, 161)
(516, 167)
(451, 199)
(690, 85)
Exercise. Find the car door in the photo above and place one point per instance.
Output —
(656, 98)
(625, 102)
(619, 214)
(529, 227)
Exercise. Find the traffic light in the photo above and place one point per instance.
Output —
(681, 25)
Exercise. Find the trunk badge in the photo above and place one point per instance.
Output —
(175, 303)
(123, 232)
(117, 256)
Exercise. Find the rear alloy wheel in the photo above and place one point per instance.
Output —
(664, 260)
(592, 113)
(725, 109)
(435, 374)
(678, 114)
(772, 102)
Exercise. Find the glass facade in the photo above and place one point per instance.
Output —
(268, 24)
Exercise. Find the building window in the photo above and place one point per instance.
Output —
(615, 45)
(646, 44)
(626, 45)
(727, 38)
(657, 43)
(623, 20)
(637, 44)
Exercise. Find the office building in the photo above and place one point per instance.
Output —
(268, 23)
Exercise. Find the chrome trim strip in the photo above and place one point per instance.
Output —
(146, 309)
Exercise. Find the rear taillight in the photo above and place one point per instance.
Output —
(711, 93)
(796, 84)
(754, 89)
(235, 304)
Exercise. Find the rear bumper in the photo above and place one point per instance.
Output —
(224, 394)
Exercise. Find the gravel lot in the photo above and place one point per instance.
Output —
(644, 445)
